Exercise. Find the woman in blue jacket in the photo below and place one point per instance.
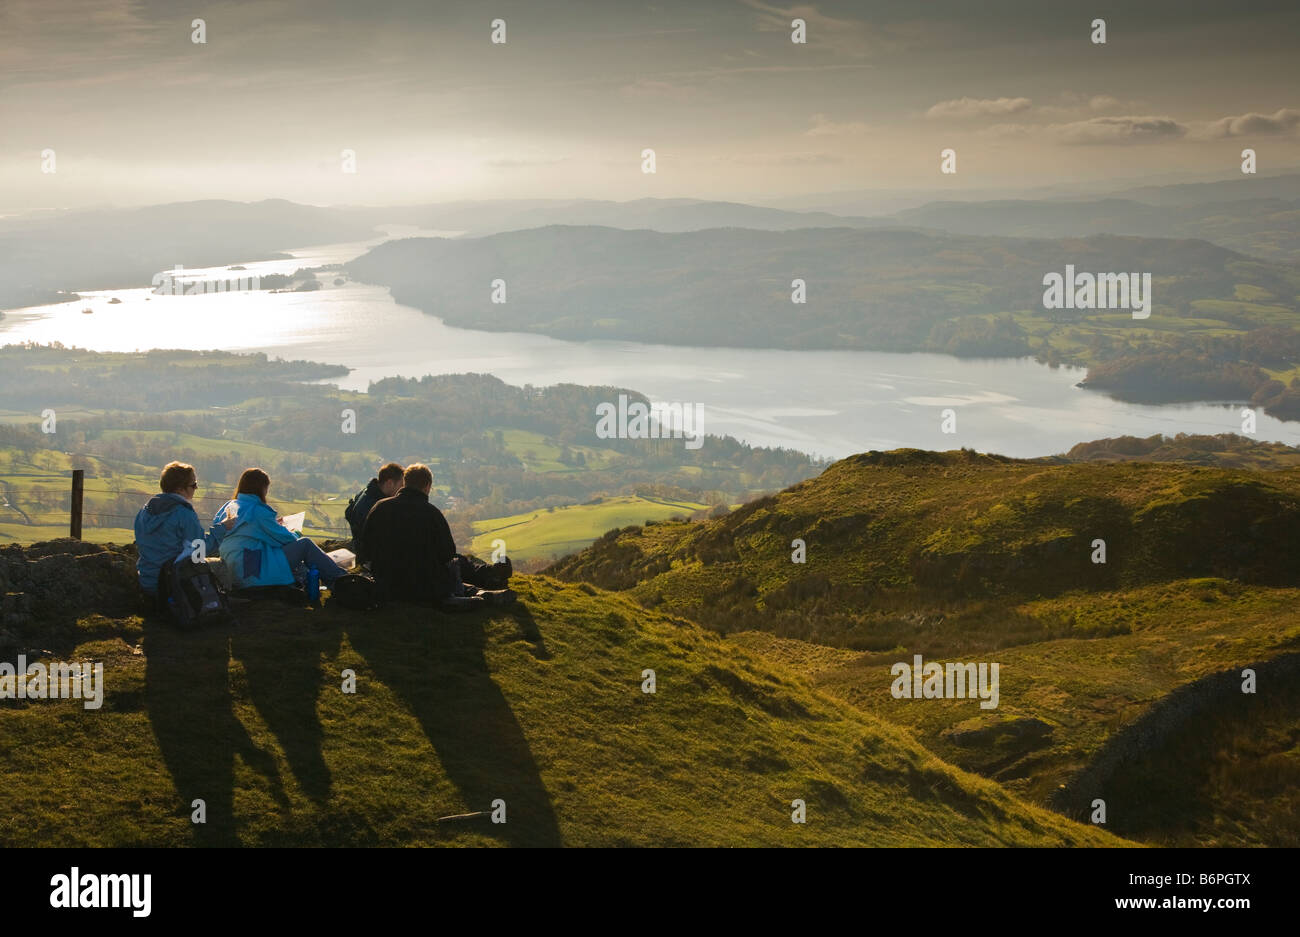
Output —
(168, 526)
(259, 550)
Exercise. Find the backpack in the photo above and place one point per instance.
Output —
(359, 506)
(357, 592)
(493, 576)
(347, 511)
(192, 595)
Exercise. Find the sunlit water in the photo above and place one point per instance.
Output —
(831, 403)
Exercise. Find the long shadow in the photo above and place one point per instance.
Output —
(187, 684)
(283, 668)
(529, 631)
(435, 663)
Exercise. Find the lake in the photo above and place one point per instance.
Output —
(830, 403)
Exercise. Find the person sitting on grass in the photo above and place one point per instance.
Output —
(259, 550)
(411, 550)
(167, 526)
(384, 485)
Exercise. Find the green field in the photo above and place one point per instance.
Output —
(249, 452)
(36, 533)
(112, 498)
(557, 532)
(541, 456)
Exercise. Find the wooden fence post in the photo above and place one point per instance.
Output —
(78, 481)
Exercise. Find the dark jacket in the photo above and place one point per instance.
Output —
(409, 545)
(360, 507)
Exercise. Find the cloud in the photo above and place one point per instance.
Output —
(1012, 131)
(823, 126)
(787, 159)
(840, 36)
(1283, 120)
(967, 108)
(511, 163)
(1123, 130)
(1071, 105)
(646, 88)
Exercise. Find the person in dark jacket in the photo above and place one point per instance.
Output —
(384, 485)
(409, 544)
(168, 525)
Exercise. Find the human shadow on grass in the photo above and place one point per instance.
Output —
(529, 631)
(187, 682)
(435, 664)
(282, 664)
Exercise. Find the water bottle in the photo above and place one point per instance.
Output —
(313, 584)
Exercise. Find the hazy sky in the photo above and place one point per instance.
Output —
(137, 113)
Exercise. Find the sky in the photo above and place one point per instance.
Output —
(136, 112)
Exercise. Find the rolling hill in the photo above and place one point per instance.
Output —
(1117, 678)
(540, 706)
(890, 535)
(868, 289)
(1267, 228)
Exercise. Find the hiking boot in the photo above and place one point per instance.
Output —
(461, 603)
(499, 597)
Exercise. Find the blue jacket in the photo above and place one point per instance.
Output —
(253, 549)
(164, 530)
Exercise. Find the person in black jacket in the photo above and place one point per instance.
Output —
(409, 544)
(383, 485)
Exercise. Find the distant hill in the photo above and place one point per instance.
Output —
(1221, 327)
(886, 290)
(893, 534)
(1262, 226)
(101, 249)
(875, 202)
(539, 708)
(1226, 450)
(1282, 186)
(478, 218)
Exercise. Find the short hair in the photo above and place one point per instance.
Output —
(253, 482)
(391, 472)
(175, 476)
(417, 475)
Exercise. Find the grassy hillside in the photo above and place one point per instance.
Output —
(540, 706)
(951, 537)
(1234, 770)
(963, 557)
